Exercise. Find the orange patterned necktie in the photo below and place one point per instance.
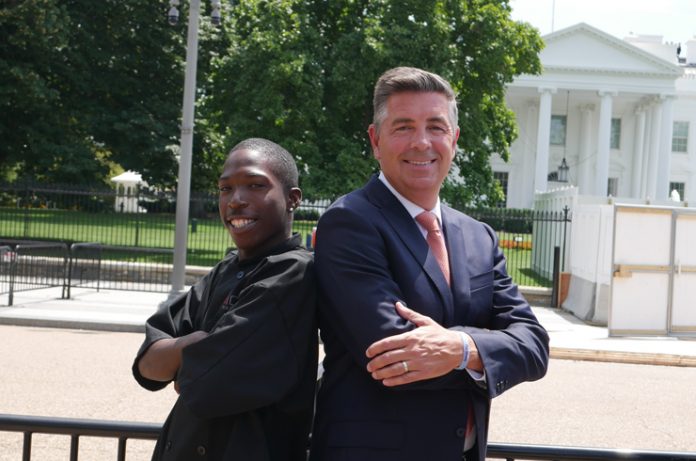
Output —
(436, 241)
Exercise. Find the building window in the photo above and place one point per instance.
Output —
(613, 187)
(558, 130)
(680, 187)
(502, 178)
(615, 133)
(680, 136)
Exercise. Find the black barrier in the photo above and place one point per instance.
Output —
(513, 452)
(34, 266)
(7, 260)
(97, 266)
(85, 266)
(76, 428)
(123, 431)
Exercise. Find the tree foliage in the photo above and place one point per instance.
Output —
(301, 72)
(87, 85)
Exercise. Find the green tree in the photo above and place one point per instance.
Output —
(301, 72)
(35, 124)
(87, 84)
(125, 64)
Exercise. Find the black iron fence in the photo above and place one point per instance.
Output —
(97, 266)
(124, 431)
(121, 240)
(118, 240)
(6, 258)
(75, 429)
(142, 219)
(528, 239)
(29, 266)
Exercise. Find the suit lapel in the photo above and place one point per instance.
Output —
(406, 228)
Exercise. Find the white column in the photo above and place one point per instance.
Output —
(647, 137)
(651, 190)
(665, 150)
(585, 181)
(529, 156)
(541, 170)
(690, 193)
(603, 143)
(638, 153)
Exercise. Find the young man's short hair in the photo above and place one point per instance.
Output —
(280, 161)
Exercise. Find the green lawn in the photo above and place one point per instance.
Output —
(207, 244)
(207, 240)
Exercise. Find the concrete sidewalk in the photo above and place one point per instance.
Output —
(112, 310)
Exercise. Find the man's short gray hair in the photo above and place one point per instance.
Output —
(411, 79)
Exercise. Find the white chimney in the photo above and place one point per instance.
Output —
(691, 51)
(653, 44)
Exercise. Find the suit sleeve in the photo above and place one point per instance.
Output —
(354, 276)
(257, 352)
(513, 347)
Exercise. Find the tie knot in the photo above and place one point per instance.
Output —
(428, 220)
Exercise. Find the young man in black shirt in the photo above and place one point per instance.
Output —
(241, 345)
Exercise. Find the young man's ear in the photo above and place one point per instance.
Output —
(294, 198)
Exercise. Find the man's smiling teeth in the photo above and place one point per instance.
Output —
(413, 162)
(240, 222)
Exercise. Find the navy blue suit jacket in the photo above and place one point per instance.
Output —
(370, 254)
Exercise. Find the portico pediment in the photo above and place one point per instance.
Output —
(584, 49)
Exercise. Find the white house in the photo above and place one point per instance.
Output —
(621, 114)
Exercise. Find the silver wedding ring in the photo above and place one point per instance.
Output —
(403, 362)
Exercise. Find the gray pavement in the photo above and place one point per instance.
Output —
(127, 311)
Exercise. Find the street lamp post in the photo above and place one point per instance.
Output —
(184, 179)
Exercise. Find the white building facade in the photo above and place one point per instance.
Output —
(621, 113)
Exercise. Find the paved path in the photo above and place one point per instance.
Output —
(128, 310)
(74, 374)
(72, 358)
(86, 374)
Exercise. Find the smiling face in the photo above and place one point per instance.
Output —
(254, 205)
(415, 144)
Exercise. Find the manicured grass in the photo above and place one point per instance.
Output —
(208, 241)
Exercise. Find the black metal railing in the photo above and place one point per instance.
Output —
(138, 222)
(124, 431)
(141, 231)
(97, 266)
(520, 452)
(7, 257)
(528, 239)
(30, 266)
(76, 428)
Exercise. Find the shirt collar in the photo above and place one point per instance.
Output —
(295, 241)
(413, 209)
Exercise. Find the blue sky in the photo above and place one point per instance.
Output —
(675, 20)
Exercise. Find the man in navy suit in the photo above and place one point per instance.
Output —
(416, 344)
